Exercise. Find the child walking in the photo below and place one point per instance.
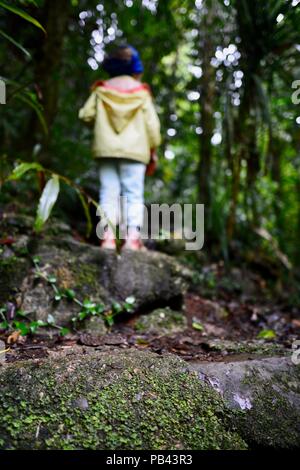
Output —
(126, 133)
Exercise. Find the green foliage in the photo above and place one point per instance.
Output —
(21, 322)
(22, 14)
(50, 194)
(15, 43)
(88, 308)
(23, 168)
(266, 334)
(251, 111)
(31, 101)
(197, 326)
(91, 309)
(23, 94)
(46, 203)
(86, 207)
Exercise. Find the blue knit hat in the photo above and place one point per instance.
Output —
(115, 66)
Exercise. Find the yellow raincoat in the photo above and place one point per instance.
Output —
(125, 122)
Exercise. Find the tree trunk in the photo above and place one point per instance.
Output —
(207, 99)
(48, 58)
(276, 151)
(253, 167)
(235, 187)
(245, 139)
(239, 154)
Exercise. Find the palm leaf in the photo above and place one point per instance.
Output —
(15, 43)
(22, 14)
(30, 102)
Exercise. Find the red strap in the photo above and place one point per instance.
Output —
(96, 84)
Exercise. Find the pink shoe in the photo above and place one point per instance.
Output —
(133, 242)
(109, 241)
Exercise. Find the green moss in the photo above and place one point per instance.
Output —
(272, 421)
(12, 272)
(125, 400)
(255, 347)
(85, 274)
(161, 321)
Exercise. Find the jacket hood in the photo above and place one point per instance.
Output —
(122, 103)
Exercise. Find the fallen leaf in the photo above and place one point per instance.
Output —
(266, 334)
(13, 338)
(197, 326)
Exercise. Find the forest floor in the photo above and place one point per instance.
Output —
(228, 312)
(229, 323)
(235, 327)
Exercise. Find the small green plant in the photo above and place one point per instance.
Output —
(266, 334)
(118, 308)
(88, 308)
(92, 309)
(21, 322)
(22, 92)
(50, 195)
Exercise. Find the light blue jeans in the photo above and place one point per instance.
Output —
(122, 191)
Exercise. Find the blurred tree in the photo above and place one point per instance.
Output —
(268, 38)
(221, 74)
(207, 47)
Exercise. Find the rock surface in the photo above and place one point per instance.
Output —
(126, 398)
(2, 351)
(161, 321)
(153, 279)
(267, 390)
(116, 400)
(131, 399)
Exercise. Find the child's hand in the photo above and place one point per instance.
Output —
(152, 165)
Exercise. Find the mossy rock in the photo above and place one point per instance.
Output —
(95, 326)
(12, 224)
(267, 391)
(254, 348)
(118, 400)
(15, 261)
(12, 272)
(161, 321)
(101, 276)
